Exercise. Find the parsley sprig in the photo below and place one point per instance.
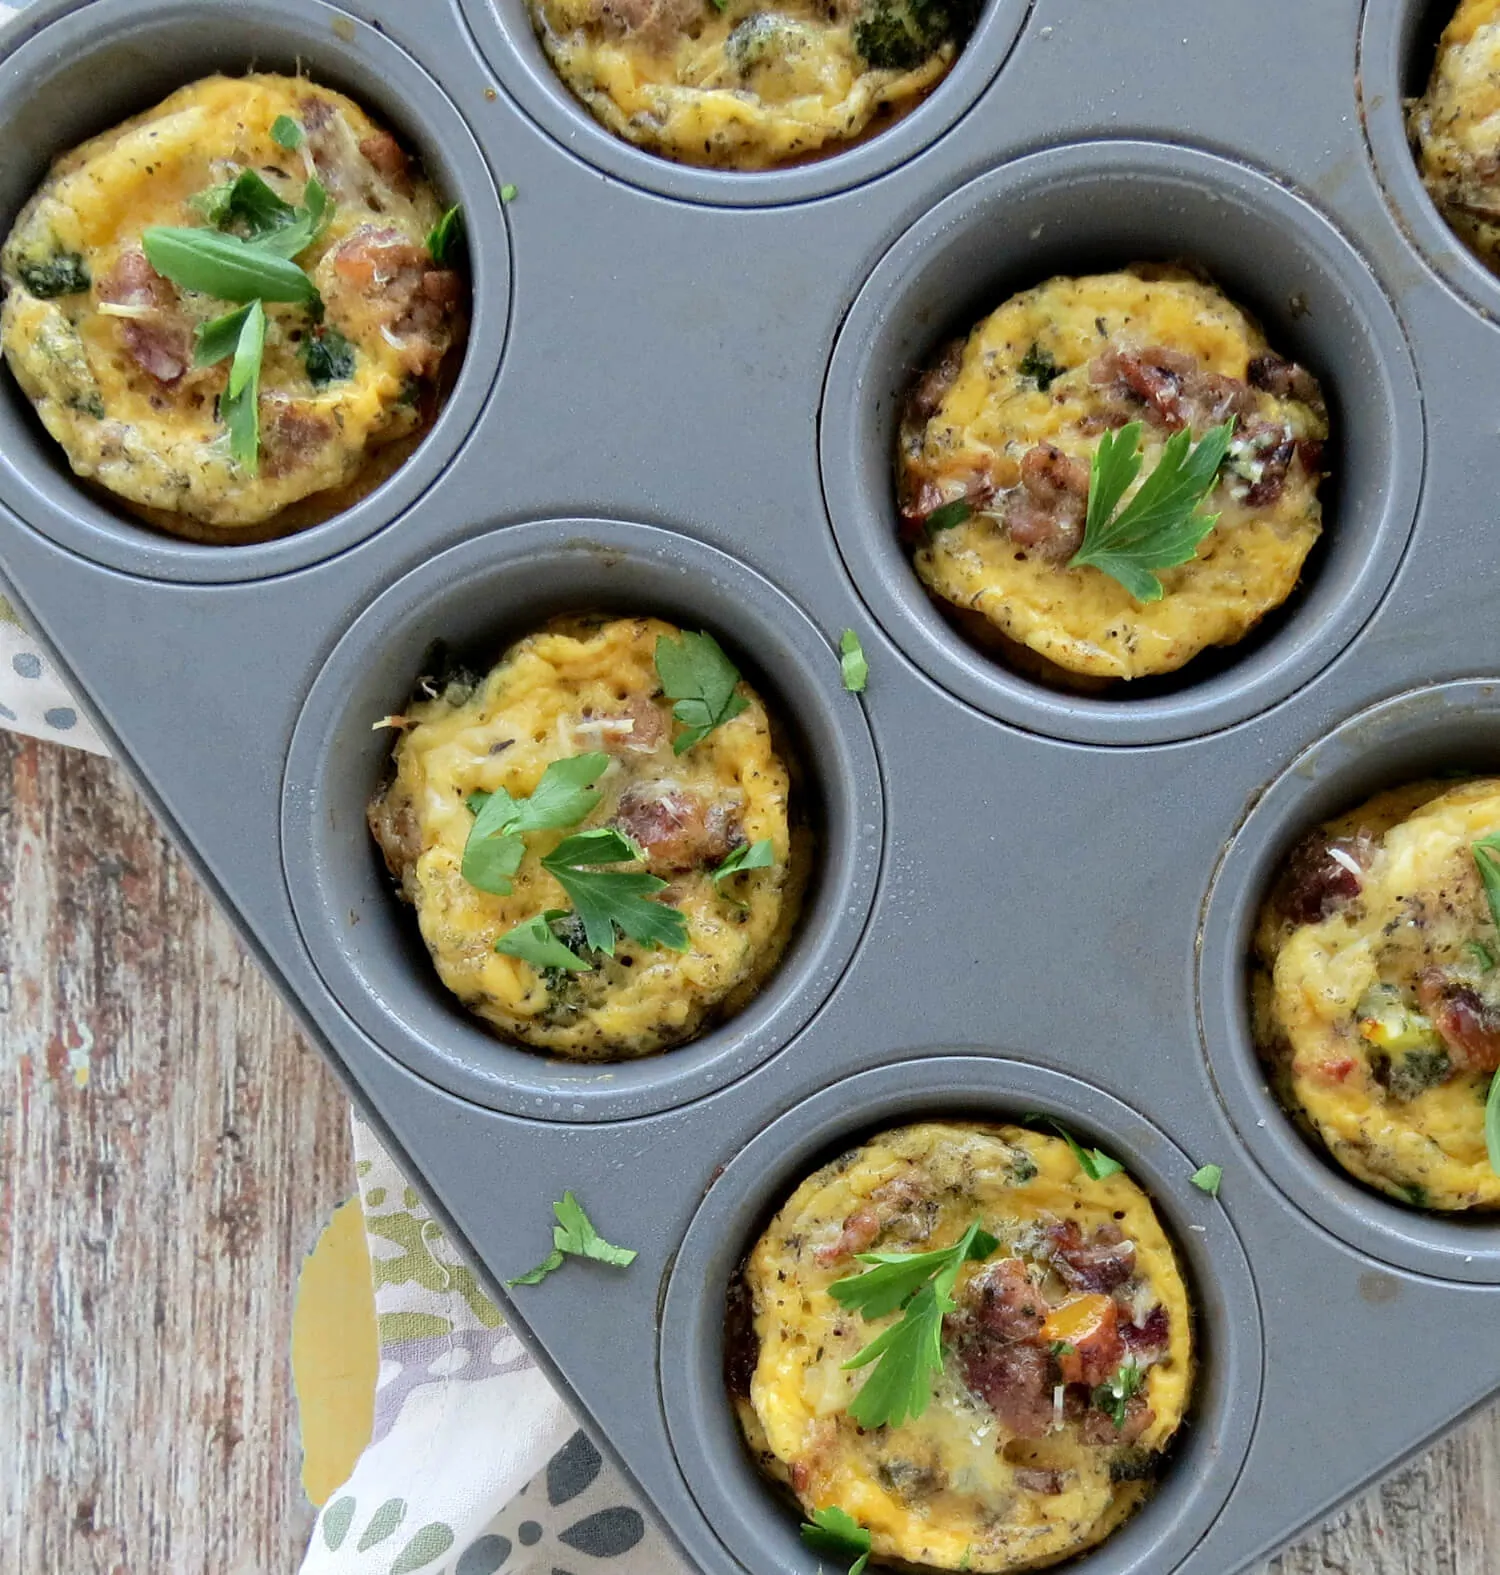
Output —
(834, 1533)
(1160, 527)
(607, 900)
(574, 1235)
(247, 259)
(695, 672)
(562, 798)
(853, 665)
(1093, 1162)
(1115, 1393)
(748, 856)
(910, 1352)
(604, 900)
(1487, 856)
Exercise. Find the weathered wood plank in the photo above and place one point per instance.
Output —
(152, 1219)
(152, 1224)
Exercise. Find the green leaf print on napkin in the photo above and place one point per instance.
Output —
(383, 1524)
(431, 1542)
(415, 1264)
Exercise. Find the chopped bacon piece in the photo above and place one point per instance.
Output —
(1469, 1025)
(677, 829)
(1098, 1429)
(860, 1230)
(442, 286)
(1045, 513)
(656, 21)
(1169, 388)
(386, 155)
(1322, 875)
(411, 299)
(394, 825)
(931, 389)
(291, 437)
(1285, 379)
(1002, 1301)
(1034, 1480)
(1100, 1265)
(1014, 1379)
(1152, 1335)
(315, 112)
(161, 345)
(1153, 377)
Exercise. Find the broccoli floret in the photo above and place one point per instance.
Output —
(64, 273)
(898, 35)
(1038, 364)
(762, 36)
(1412, 1073)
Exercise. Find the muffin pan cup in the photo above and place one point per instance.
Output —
(677, 400)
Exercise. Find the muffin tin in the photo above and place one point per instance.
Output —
(679, 397)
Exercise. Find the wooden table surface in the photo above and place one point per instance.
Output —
(169, 1148)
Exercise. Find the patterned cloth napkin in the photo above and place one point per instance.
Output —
(475, 1465)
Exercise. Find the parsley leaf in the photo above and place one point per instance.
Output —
(911, 1350)
(856, 669)
(1093, 1162)
(249, 207)
(240, 405)
(835, 1533)
(574, 1235)
(494, 849)
(1115, 1392)
(1492, 1124)
(219, 338)
(1487, 856)
(447, 238)
(695, 672)
(286, 133)
(606, 900)
(947, 515)
(1209, 1178)
(748, 856)
(224, 266)
(535, 942)
(508, 193)
(1160, 527)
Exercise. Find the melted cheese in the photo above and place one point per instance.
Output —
(1081, 620)
(163, 449)
(1456, 126)
(561, 693)
(1421, 903)
(941, 1491)
(689, 94)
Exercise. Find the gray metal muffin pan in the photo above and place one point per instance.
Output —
(678, 398)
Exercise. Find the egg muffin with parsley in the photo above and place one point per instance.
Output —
(1455, 128)
(233, 312)
(1111, 473)
(1058, 1333)
(598, 836)
(1377, 992)
(749, 86)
